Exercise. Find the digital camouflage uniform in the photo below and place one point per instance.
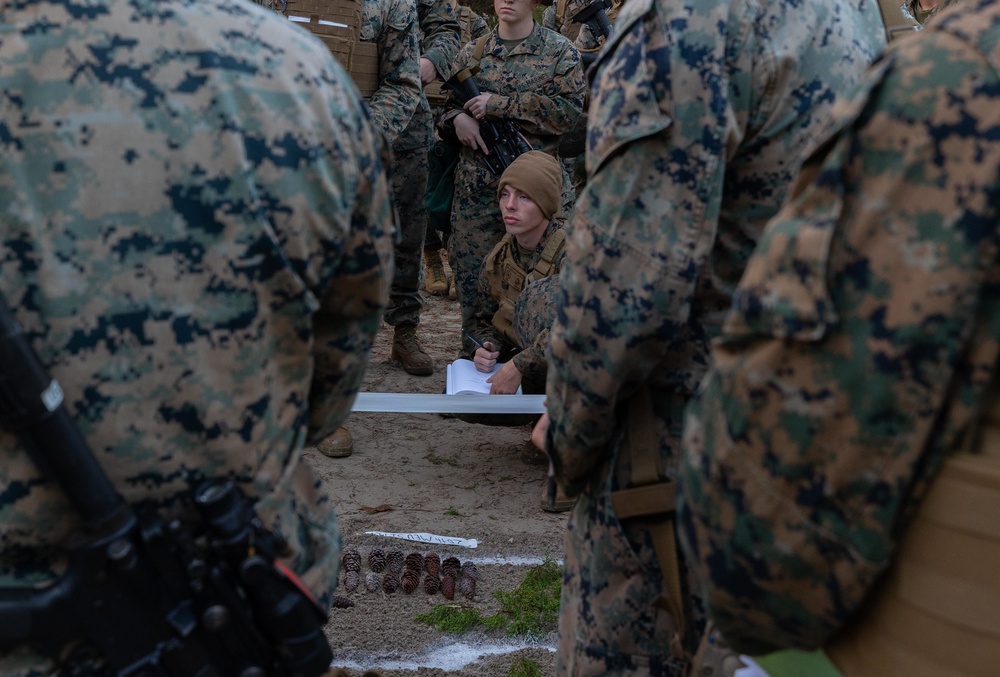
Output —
(393, 26)
(859, 346)
(196, 238)
(541, 87)
(526, 349)
(473, 27)
(693, 136)
(439, 33)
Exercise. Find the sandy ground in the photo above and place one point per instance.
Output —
(424, 473)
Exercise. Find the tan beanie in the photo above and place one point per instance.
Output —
(539, 176)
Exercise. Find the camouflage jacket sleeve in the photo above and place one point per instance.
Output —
(533, 357)
(392, 24)
(556, 105)
(440, 33)
(479, 28)
(860, 341)
(549, 18)
(641, 226)
(350, 311)
(541, 308)
(486, 308)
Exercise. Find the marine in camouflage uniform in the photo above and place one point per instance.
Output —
(694, 136)
(393, 26)
(436, 281)
(439, 33)
(202, 272)
(915, 9)
(858, 352)
(511, 337)
(540, 86)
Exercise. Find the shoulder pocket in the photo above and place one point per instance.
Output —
(402, 15)
(624, 107)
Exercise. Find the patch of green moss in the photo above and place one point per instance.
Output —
(451, 618)
(531, 609)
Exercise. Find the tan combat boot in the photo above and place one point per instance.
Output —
(406, 348)
(451, 289)
(435, 278)
(338, 445)
(561, 502)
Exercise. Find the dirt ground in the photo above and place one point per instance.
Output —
(423, 473)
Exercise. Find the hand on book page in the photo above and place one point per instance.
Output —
(464, 379)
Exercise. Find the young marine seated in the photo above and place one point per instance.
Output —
(513, 280)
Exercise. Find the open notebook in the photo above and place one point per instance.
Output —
(464, 379)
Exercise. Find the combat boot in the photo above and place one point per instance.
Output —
(338, 445)
(435, 278)
(451, 289)
(561, 502)
(406, 349)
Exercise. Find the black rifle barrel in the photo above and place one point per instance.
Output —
(31, 404)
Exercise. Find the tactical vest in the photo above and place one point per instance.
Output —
(338, 24)
(467, 20)
(564, 24)
(507, 279)
(938, 610)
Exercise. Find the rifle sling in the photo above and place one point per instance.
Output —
(651, 497)
(477, 54)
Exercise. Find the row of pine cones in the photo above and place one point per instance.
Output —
(395, 570)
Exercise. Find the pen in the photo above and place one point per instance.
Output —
(473, 339)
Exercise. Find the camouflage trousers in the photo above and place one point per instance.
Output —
(476, 227)
(608, 624)
(435, 240)
(409, 186)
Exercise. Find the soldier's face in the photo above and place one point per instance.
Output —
(521, 216)
(513, 11)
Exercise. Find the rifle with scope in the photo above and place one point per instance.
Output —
(141, 595)
(595, 16)
(502, 137)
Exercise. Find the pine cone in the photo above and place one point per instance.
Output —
(469, 570)
(376, 560)
(414, 561)
(432, 562)
(372, 581)
(351, 560)
(411, 580)
(432, 584)
(340, 602)
(390, 583)
(351, 581)
(448, 587)
(467, 586)
(451, 567)
(396, 562)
